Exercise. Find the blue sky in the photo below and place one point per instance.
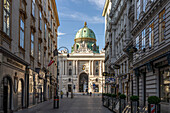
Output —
(73, 14)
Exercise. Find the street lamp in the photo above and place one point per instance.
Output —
(56, 98)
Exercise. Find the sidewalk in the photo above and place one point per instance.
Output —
(79, 104)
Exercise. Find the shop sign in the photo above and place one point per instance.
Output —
(14, 63)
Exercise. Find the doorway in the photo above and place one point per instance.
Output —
(83, 82)
(7, 94)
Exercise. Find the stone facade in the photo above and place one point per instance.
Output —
(142, 43)
(28, 36)
(82, 70)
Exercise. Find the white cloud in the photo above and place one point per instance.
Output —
(61, 34)
(98, 3)
(83, 17)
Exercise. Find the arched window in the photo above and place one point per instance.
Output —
(70, 71)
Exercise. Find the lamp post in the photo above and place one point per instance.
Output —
(56, 97)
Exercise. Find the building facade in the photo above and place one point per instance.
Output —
(151, 61)
(140, 41)
(28, 35)
(117, 35)
(82, 70)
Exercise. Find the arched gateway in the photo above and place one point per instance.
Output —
(83, 82)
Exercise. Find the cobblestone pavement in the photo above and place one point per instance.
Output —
(79, 104)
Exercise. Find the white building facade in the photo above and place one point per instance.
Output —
(82, 70)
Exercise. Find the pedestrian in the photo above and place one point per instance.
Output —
(90, 93)
(61, 94)
(67, 94)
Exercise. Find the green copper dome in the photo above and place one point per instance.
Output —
(85, 33)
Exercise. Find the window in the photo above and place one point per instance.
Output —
(39, 52)
(138, 9)
(165, 85)
(151, 35)
(32, 44)
(22, 33)
(33, 7)
(70, 71)
(137, 43)
(70, 63)
(97, 71)
(144, 5)
(6, 16)
(162, 26)
(44, 5)
(143, 39)
(40, 20)
(69, 79)
(45, 31)
(97, 62)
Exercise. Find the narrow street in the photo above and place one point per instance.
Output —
(79, 104)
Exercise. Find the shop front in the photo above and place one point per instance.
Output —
(12, 82)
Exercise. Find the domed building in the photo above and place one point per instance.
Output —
(82, 71)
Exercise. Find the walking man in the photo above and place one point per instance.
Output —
(67, 94)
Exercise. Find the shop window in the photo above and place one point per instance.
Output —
(6, 16)
(162, 26)
(165, 85)
(151, 34)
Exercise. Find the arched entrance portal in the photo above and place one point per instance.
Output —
(7, 94)
(83, 82)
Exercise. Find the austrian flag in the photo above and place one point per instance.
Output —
(51, 61)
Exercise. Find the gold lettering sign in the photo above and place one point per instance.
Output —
(14, 63)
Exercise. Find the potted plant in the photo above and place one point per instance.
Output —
(153, 104)
(134, 103)
(113, 101)
(122, 102)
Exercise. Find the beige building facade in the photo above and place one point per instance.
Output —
(28, 36)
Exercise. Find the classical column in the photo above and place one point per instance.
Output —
(65, 67)
(103, 67)
(89, 67)
(100, 68)
(92, 66)
(77, 67)
(73, 68)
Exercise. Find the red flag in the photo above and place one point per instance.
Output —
(51, 61)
